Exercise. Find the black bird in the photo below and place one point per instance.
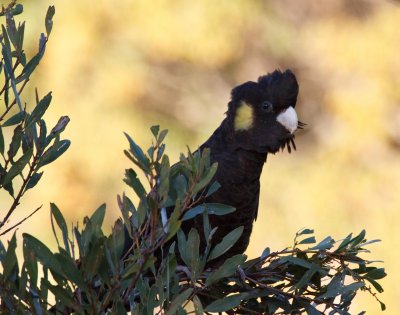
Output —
(260, 119)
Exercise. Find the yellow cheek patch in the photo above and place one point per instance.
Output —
(244, 116)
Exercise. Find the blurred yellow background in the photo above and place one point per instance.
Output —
(117, 66)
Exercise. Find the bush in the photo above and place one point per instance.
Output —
(148, 265)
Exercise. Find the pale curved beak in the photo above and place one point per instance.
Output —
(288, 119)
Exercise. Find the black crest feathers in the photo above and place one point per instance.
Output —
(282, 87)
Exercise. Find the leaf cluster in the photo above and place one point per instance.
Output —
(31, 146)
(163, 270)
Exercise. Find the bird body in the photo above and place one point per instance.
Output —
(260, 119)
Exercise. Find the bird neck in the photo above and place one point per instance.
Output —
(245, 164)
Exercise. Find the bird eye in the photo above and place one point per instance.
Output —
(267, 107)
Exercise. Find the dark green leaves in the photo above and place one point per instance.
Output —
(54, 152)
(228, 268)
(227, 242)
(49, 19)
(39, 111)
(211, 208)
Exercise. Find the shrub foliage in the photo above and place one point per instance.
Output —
(165, 270)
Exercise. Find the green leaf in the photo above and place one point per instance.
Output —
(326, 243)
(206, 178)
(18, 9)
(154, 130)
(54, 152)
(358, 239)
(198, 307)
(213, 188)
(138, 153)
(178, 301)
(162, 136)
(18, 166)
(308, 240)
(227, 242)
(339, 289)
(226, 303)
(182, 246)
(212, 208)
(49, 19)
(57, 215)
(33, 180)
(376, 285)
(1, 141)
(14, 120)
(29, 67)
(227, 269)
(39, 110)
(297, 261)
(10, 262)
(133, 181)
(192, 250)
(376, 273)
(30, 262)
(70, 268)
(304, 231)
(61, 293)
(97, 217)
(15, 142)
(43, 254)
(163, 187)
(346, 241)
(266, 252)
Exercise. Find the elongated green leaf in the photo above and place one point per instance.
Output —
(212, 208)
(226, 303)
(376, 273)
(154, 130)
(97, 217)
(198, 307)
(54, 152)
(192, 250)
(56, 213)
(15, 142)
(336, 290)
(10, 262)
(49, 19)
(18, 166)
(346, 241)
(162, 136)
(138, 153)
(326, 243)
(308, 240)
(39, 110)
(376, 285)
(305, 231)
(1, 141)
(206, 179)
(178, 301)
(227, 269)
(227, 242)
(29, 67)
(43, 254)
(30, 262)
(14, 120)
(33, 180)
(213, 188)
(133, 181)
(297, 261)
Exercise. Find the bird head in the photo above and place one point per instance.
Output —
(262, 115)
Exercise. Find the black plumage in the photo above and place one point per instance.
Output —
(241, 144)
(260, 119)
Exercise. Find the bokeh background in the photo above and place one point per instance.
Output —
(117, 66)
